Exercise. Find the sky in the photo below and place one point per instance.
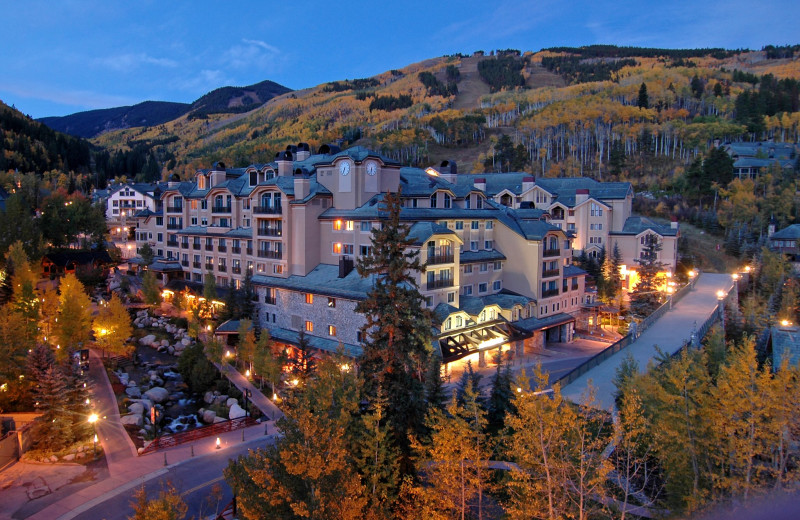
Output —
(66, 56)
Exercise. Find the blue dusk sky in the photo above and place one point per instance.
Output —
(65, 56)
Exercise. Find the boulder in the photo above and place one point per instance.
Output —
(220, 399)
(209, 416)
(208, 398)
(236, 411)
(164, 343)
(219, 419)
(171, 350)
(147, 340)
(53, 458)
(133, 420)
(186, 342)
(70, 457)
(231, 401)
(133, 391)
(157, 394)
(136, 408)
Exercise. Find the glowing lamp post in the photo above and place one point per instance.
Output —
(93, 420)
(218, 443)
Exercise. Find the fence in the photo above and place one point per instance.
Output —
(620, 344)
(168, 441)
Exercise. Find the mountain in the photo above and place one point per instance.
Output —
(223, 100)
(93, 122)
(27, 145)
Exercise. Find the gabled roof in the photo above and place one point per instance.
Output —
(292, 337)
(420, 232)
(472, 257)
(637, 225)
(442, 311)
(529, 229)
(533, 324)
(574, 270)
(357, 154)
(473, 305)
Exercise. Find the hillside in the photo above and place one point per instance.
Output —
(567, 111)
(27, 145)
(93, 122)
(224, 100)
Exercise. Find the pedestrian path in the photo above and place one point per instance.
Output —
(256, 398)
(669, 333)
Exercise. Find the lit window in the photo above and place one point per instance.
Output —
(309, 298)
(348, 225)
(337, 225)
(309, 326)
(332, 303)
(331, 330)
(337, 248)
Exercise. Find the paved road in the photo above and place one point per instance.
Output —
(194, 478)
(669, 333)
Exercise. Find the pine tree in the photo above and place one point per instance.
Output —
(646, 297)
(434, 386)
(624, 375)
(501, 396)
(247, 343)
(248, 297)
(147, 254)
(303, 361)
(150, 288)
(469, 380)
(643, 101)
(378, 461)
(611, 277)
(53, 429)
(397, 328)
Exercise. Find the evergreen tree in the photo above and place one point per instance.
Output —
(434, 386)
(697, 86)
(247, 343)
(303, 361)
(248, 297)
(646, 297)
(53, 430)
(501, 396)
(624, 374)
(469, 380)
(147, 254)
(377, 461)
(643, 100)
(612, 283)
(397, 328)
(150, 288)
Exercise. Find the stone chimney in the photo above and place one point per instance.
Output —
(302, 187)
(448, 171)
(480, 183)
(303, 151)
(217, 175)
(528, 183)
(284, 160)
(346, 265)
(581, 195)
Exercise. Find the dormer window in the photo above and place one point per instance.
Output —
(433, 200)
(201, 182)
(253, 178)
(447, 201)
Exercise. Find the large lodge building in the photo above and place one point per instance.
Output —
(498, 248)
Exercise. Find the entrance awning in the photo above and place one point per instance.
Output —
(463, 342)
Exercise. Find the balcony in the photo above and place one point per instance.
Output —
(209, 247)
(550, 292)
(439, 284)
(209, 267)
(184, 245)
(549, 273)
(175, 225)
(185, 263)
(196, 265)
(222, 268)
(172, 243)
(236, 250)
(220, 209)
(249, 251)
(196, 247)
(222, 249)
(270, 300)
(440, 259)
(236, 270)
(277, 255)
(174, 209)
(270, 232)
(574, 287)
(268, 210)
(551, 252)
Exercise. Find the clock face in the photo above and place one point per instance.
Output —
(344, 168)
(372, 168)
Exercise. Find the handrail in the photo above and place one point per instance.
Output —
(175, 439)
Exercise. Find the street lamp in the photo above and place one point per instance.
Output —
(219, 443)
(93, 420)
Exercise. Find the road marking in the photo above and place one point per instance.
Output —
(201, 486)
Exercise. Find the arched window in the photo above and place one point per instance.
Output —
(266, 200)
(447, 201)
(218, 201)
(433, 200)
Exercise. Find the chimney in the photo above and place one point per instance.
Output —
(284, 160)
(302, 187)
(448, 171)
(480, 183)
(674, 223)
(771, 226)
(217, 175)
(346, 265)
(303, 151)
(528, 183)
(581, 195)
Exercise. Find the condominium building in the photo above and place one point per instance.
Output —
(498, 276)
(122, 201)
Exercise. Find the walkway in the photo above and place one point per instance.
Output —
(257, 399)
(669, 333)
